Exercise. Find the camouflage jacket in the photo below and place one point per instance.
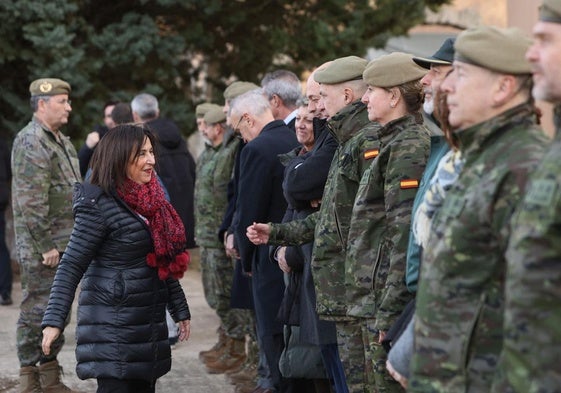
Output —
(379, 226)
(44, 173)
(460, 300)
(214, 171)
(329, 228)
(530, 358)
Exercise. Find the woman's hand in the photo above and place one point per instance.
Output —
(50, 334)
(184, 330)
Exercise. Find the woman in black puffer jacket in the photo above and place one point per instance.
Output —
(128, 248)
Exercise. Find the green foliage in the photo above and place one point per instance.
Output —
(115, 49)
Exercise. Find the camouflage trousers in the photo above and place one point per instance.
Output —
(36, 281)
(217, 272)
(364, 360)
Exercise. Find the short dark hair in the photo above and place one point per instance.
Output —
(113, 153)
(122, 113)
(110, 103)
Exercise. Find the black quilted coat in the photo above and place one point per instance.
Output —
(122, 330)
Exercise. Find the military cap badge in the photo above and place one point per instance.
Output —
(45, 87)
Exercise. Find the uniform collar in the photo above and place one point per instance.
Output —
(473, 138)
(345, 123)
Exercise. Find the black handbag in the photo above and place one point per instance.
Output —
(300, 360)
(399, 325)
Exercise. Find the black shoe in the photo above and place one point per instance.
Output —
(6, 301)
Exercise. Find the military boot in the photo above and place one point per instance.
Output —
(49, 374)
(217, 350)
(29, 380)
(247, 373)
(248, 387)
(232, 358)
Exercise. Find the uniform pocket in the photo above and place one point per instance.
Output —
(376, 264)
(466, 350)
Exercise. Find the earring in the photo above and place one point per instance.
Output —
(392, 105)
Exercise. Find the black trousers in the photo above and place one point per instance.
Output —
(111, 385)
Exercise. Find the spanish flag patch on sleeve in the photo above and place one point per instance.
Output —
(409, 183)
(371, 153)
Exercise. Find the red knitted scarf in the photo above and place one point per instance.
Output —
(168, 233)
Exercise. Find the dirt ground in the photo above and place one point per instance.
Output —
(187, 374)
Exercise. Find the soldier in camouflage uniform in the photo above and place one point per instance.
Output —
(376, 293)
(341, 89)
(460, 300)
(214, 171)
(45, 167)
(438, 66)
(530, 358)
(204, 206)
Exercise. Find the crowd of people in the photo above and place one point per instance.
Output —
(394, 228)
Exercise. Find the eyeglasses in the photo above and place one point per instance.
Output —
(65, 101)
(236, 128)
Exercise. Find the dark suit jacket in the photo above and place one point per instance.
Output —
(292, 125)
(260, 199)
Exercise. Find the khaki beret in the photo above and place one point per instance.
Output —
(238, 88)
(215, 115)
(203, 108)
(392, 70)
(550, 11)
(341, 70)
(49, 87)
(497, 49)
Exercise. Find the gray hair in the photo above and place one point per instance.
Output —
(145, 105)
(34, 102)
(302, 101)
(253, 102)
(358, 86)
(284, 84)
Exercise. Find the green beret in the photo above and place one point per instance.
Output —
(550, 11)
(203, 108)
(49, 87)
(497, 49)
(341, 70)
(215, 115)
(392, 70)
(238, 88)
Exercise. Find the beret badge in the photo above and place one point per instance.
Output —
(45, 87)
